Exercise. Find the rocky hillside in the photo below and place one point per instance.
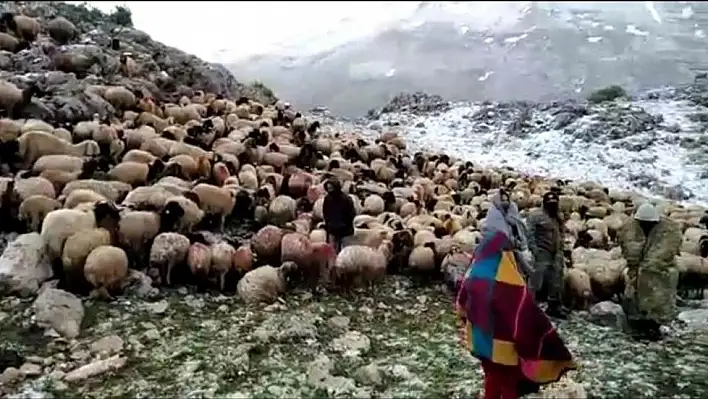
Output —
(62, 73)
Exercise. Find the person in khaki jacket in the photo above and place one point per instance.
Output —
(546, 245)
(650, 243)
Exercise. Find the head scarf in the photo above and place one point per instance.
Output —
(502, 221)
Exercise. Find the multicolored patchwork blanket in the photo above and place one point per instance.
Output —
(502, 322)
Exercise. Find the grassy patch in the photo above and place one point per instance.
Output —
(210, 344)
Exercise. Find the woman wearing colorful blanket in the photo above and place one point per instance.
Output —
(518, 346)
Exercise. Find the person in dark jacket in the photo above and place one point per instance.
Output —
(338, 212)
(546, 245)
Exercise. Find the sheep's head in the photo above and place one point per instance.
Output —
(170, 216)
(107, 215)
(288, 270)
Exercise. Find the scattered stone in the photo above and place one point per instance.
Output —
(352, 343)
(96, 368)
(10, 375)
(159, 307)
(695, 318)
(339, 323)
(608, 314)
(370, 375)
(30, 370)
(60, 310)
(108, 345)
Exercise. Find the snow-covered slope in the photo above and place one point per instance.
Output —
(656, 144)
(487, 50)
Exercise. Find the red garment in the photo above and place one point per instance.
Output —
(500, 382)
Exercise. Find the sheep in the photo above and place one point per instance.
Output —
(296, 247)
(114, 191)
(22, 26)
(128, 65)
(9, 130)
(243, 260)
(60, 225)
(61, 30)
(691, 238)
(32, 145)
(12, 44)
(373, 205)
(282, 210)
(77, 248)
(13, 100)
(215, 201)
(135, 173)
(120, 97)
(167, 251)
(578, 289)
(199, 260)
(422, 258)
(147, 198)
(139, 156)
(105, 268)
(222, 254)
(180, 214)
(693, 273)
(67, 163)
(360, 261)
(264, 284)
(266, 243)
(34, 186)
(35, 208)
(136, 230)
(81, 196)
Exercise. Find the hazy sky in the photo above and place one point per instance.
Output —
(244, 28)
(248, 27)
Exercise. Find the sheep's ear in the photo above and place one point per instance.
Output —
(191, 195)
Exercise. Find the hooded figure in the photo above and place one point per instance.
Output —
(338, 212)
(546, 245)
(649, 244)
(503, 216)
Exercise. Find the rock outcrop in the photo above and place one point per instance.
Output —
(64, 72)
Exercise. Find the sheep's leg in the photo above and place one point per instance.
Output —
(101, 293)
(167, 270)
(222, 281)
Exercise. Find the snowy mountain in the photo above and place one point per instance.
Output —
(484, 50)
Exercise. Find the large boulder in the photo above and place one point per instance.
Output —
(24, 265)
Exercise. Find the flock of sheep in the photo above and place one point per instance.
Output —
(153, 185)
